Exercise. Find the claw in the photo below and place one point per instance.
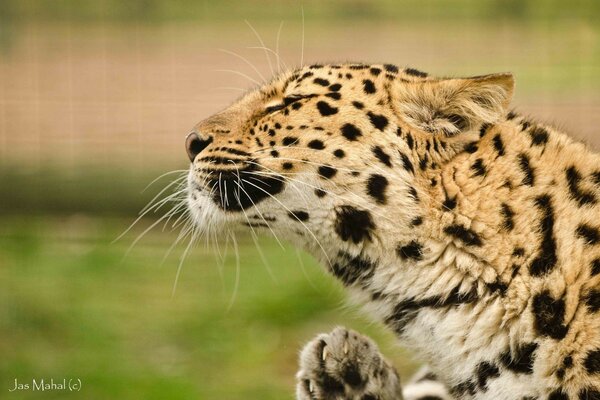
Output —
(311, 387)
(345, 347)
(324, 353)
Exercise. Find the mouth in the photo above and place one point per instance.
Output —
(239, 190)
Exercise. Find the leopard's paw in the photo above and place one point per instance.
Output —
(345, 365)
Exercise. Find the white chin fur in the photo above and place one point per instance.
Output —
(205, 214)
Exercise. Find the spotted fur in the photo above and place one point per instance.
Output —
(472, 232)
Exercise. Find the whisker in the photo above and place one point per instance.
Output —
(279, 60)
(237, 273)
(302, 47)
(262, 44)
(270, 51)
(181, 260)
(244, 59)
(240, 74)
(301, 222)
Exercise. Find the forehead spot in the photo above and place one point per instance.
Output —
(378, 121)
(339, 153)
(350, 132)
(375, 71)
(325, 109)
(326, 171)
(316, 144)
(369, 86)
(321, 82)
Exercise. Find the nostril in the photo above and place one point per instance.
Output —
(194, 145)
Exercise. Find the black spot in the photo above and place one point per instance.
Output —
(296, 106)
(507, 217)
(449, 203)
(521, 360)
(316, 144)
(566, 364)
(416, 221)
(511, 115)
(369, 86)
(299, 215)
(274, 153)
(589, 394)
(352, 377)
(498, 144)
(518, 252)
(498, 287)
(558, 394)
(325, 109)
(271, 132)
(350, 269)
(376, 186)
(595, 267)
(478, 168)
(289, 141)
(412, 251)
(407, 310)
(581, 196)
(484, 128)
(410, 141)
(415, 72)
(378, 121)
(320, 192)
(350, 132)
(592, 299)
(287, 165)
(413, 193)
(546, 258)
(423, 162)
(467, 236)
(406, 163)
(382, 156)
(471, 147)
(320, 81)
(335, 87)
(549, 315)
(339, 153)
(525, 166)
(358, 105)
(464, 388)
(588, 233)
(353, 224)
(326, 171)
(375, 71)
(539, 136)
(486, 371)
(390, 68)
(335, 96)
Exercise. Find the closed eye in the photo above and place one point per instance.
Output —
(286, 102)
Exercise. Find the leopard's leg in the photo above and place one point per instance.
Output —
(424, 385)
(345, 365)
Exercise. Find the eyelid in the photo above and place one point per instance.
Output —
(286, 102)
(274, 108)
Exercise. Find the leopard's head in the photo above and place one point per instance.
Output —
(333, 155)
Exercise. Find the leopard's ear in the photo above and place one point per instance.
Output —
(452, 106)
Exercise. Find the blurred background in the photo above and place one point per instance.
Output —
(96, 98)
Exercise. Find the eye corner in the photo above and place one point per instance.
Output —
(275, 107)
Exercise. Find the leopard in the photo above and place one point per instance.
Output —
(470, 231)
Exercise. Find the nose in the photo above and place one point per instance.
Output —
(194, 145)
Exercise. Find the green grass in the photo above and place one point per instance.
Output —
(74, 307)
